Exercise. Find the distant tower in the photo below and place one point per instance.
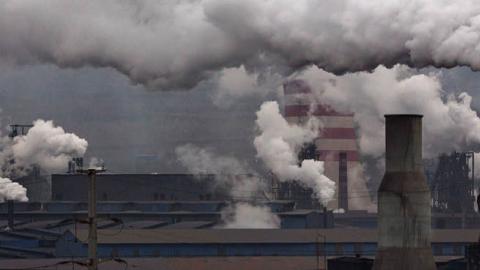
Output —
(452, 183)
(336, 145)
(18, 130)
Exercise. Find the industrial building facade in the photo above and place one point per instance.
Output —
(139, 187)
(336, 145)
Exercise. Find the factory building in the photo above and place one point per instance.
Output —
(223, 246)
(61, 215)
(247, 242)
(336, 145)
(139, 187)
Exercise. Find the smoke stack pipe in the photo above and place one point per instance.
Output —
(404, 215)
(10, 214)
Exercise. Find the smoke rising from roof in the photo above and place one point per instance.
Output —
(12, 191)
(47, 146)
(247, 216)
(230, 172)
(242, 182)
(450, 124)
(277, 145)
(176, 44)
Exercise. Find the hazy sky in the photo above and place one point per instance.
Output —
(122, 121)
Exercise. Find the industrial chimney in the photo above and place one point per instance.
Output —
(404, 215)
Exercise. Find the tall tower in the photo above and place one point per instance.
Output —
(336, 145)
(404, 217)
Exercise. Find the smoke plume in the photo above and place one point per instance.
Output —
(12, 191)
(47, 146)
(243, 182)
(247, 216)
(231, 173)
(450, 124)
(176, 44)
(278, 144)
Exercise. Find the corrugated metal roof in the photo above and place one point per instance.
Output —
(190, 225)
(39, 224)
(142, 224)
(199, 236)
(228, 236)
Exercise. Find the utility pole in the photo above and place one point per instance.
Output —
(324, 250)
(92, 215)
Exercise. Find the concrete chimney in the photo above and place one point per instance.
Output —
(404, 215)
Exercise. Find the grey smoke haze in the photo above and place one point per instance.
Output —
(229, 172)
(128, 121)
(123, 122)
(277, 145)
(247, 216)
(178, 44)
(450, 123)
(175, 44)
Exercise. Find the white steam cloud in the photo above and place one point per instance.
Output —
(236, 83)
(246, 216)
(231, 173)
(12, 191)
(176, 44)
(449, 123)
(45, 145)
(278, 144)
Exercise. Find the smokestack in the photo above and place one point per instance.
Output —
(404, 215)
(10, 214)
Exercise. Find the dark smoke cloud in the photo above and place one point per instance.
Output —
(177, 44)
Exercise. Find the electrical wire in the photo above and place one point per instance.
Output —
(73, 262)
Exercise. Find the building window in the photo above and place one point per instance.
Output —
(348, 249)
(357, 248)
(437, 249)
(104, 196)
(339, 249)
(447, 249)
(330, 249)
(114, 252)
(458, 250)
(155, 196)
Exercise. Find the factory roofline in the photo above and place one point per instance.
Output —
(164, 174)
(258, 236)
(403, 115)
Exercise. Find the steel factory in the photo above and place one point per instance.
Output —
(426, 216)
